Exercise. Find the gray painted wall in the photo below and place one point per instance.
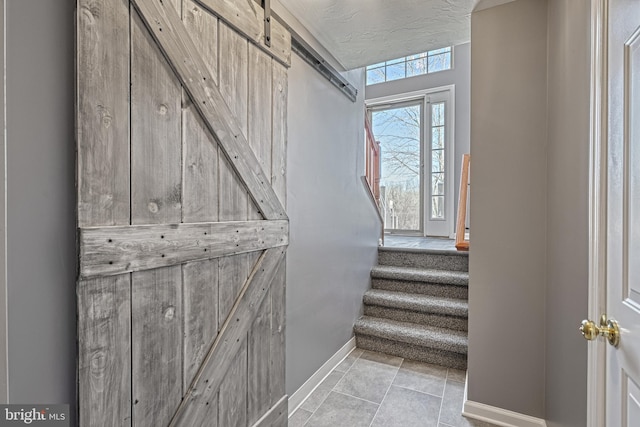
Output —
(507, 263)
(460, 76)
(567, 215)
(333, 225)
(41, 201)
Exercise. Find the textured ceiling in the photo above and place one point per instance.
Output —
(364, 32)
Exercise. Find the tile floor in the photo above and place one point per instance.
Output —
(416, 242)
(371, 389)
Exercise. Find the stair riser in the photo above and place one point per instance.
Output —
(424, 260)
(413, 352)
(441, 321)
(436, 290)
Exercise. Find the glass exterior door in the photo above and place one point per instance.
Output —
(399, 130)
(416, 150)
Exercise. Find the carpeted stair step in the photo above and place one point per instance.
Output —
(441, 312)
(424, 258)
(438, 283)
(428, 344)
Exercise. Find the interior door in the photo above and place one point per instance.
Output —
(623, 239)
(181, 121)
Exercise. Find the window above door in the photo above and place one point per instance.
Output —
(409, 66)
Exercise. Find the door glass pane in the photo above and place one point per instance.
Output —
(398, 130)
(438, 158)
(437, 207)
(437, 137)
(437, 184)
(437, 161)
(437, 114)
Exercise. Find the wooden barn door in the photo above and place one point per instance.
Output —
(181, 139)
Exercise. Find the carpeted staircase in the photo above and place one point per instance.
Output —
(417, 307)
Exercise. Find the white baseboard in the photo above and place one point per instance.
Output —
(296, 399)
(498, 416)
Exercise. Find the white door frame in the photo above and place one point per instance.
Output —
(596, 370)
(424, 94)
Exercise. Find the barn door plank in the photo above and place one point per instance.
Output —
(233, 392)
(260, 80)
(278, 321)
(104, 363)
(103, 112)
(247, 17)
(157, 351)
(259, 131)
(258, 372)
(156, 132)
(200, 204)
(279, 183)
(234, 271)
(259, 337)
(200, 298)
(200, 289)
(279, 129)
(229, 339)
(156, 198)
(102, 117)
(234, 68)
(234, 203)
(234, 200)
(186, 60)
(200, 150)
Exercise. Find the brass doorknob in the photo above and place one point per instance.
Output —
(608, 328)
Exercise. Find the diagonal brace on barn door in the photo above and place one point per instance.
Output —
(184, 57)
(215, 365)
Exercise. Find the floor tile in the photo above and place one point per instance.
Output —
(367, 380)
(403, 407)
(348, 361)
(298, 418)
(452, 404)
(457, 375)
(421, 377)
(371, 389)
(341, 410)
(451, 412)
(321, 392)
